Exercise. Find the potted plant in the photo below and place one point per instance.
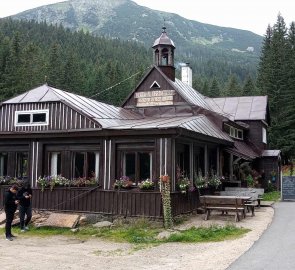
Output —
(201, 183)
(123, 183)
(146, 184)
(183, 185)
(214, 181)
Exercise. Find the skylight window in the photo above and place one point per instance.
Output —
(31, 118)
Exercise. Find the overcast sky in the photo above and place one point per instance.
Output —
(253, 15)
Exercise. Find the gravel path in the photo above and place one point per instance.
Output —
(67, 253)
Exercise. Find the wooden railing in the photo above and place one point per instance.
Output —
(127, 203)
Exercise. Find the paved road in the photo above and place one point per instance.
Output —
(275, 250)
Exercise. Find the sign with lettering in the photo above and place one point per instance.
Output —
(288, 188)
(154, 98)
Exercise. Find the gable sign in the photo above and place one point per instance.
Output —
(154, 98)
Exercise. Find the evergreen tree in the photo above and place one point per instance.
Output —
(54, 67)
(249, 88)
(205, 88)
(264, 68)
(287, 138)
(233, 88)
(214, 90)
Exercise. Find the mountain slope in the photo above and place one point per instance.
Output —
(198, 43)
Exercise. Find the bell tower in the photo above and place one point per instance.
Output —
(164, 54)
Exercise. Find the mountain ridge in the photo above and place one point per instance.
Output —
(198, 43)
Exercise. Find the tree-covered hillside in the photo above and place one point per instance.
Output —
(32, 53)
(211, 50)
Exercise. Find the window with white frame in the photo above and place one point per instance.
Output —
(85, 164)
(264, 135)
(31, 118)
(234, 132)
(137, 165)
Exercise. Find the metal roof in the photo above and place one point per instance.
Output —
(241, 108)
(164, 39)
(92, 108)
(190, 94)
(243, 150)
(271, 153)
(199, 124)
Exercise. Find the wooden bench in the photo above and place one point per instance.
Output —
(224, 204)
(251, 203)
(258, 191)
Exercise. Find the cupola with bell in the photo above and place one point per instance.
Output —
(164, 54)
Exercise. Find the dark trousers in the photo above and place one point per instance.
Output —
(9, 219)
(25, 211)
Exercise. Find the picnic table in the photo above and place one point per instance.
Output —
(225, 204)
(255, 193)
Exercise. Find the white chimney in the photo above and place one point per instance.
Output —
(186, 74)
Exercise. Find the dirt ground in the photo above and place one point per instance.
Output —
(58, 252)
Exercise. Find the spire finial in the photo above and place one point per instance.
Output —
(164, 27)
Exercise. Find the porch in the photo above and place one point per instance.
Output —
(127, 203)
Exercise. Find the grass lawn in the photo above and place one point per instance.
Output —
(272, 196)
(142, 232)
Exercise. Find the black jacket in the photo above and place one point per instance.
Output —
(23, 201)
(9, 201)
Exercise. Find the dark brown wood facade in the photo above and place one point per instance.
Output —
(129, 203)
(61, 117)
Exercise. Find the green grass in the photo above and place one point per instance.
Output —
(141, 233)
(211, 234)
(272, 196)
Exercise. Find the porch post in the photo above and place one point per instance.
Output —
(206, 159)
(218, 162)
(231, 163)
(191, 159)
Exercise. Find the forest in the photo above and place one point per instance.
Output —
(108, 69)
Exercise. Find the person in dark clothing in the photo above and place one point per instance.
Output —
(25, 209)
(10, 205)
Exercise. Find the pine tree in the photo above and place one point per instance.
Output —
(287, 139)
(249, 88)
(54, 66)
(264, 67)
(214, 90)
(233, 88)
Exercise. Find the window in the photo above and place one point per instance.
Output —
(3, 164)
(199, 160)
(137, 165)
(85, 164)
(234, 132)
(264, 135)
(240, 134)
(155, 85)
(22, 161)
(31, 118)
(183, 158)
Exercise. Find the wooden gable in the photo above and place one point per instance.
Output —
(155, 90)
(60, 117)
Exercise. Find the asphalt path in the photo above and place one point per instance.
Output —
(275, 250)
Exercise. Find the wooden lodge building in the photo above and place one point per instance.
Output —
(163, 125)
